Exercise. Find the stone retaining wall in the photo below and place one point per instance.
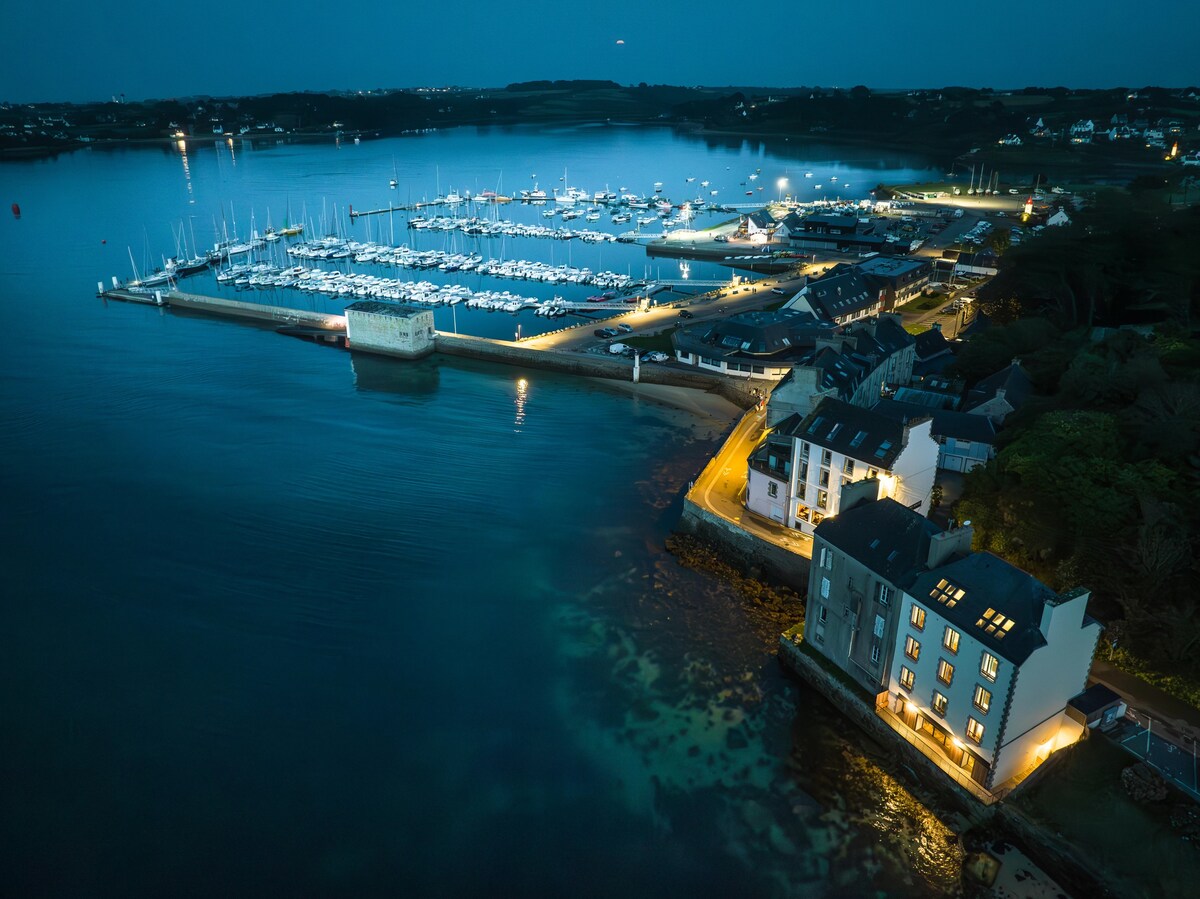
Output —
(755, 555)
(590, 365)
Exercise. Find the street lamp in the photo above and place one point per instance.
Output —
(781, 184)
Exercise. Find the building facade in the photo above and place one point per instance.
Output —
(797, 474)
(986, 659)
(854, 366)
(843, 296)
(970, 659)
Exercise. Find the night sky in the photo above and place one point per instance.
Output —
(76, 50)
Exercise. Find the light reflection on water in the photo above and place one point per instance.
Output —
(274, 601)
(519, 400)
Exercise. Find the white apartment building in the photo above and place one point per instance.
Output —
(985, 660)
(796, 474)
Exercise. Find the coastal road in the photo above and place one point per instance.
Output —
(721, 488)
(746, 297)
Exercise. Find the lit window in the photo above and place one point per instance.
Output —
(974, 731)
(945, 672)
(939, 703)
(772, 489)
(822, 499)
(982, 699)
(906, 678)
(912, 648)
(945, 592)
(995, 624)
(989, 666)
(825, 588)
(950, 639)
(917, 617)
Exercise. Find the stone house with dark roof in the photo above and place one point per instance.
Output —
(843, 295)
(998, 396)
(933, 351)
(899, 278)
(854, 366)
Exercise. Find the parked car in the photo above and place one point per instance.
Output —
(607, 332)
(624, 328)
(618, 348)
(655, 356)
(779, 290)
(683, 313)
(601, 332)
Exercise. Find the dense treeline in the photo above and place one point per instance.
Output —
(1128, 258)
(1097, 480)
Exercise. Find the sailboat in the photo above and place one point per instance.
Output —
(291, 230)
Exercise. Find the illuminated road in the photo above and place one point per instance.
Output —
(746, 297)
(721, 488)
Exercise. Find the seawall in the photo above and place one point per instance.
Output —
(589, 365)
(756, 556)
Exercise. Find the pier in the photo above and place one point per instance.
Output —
(191, 302)
(316, 325)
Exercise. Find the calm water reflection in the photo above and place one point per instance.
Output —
(280, 619)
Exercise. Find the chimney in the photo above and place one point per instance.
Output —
(949, 543)
(857, 492)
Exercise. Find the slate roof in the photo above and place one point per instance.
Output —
(859, 433)
(762, 220)
(946, 423)
(1012, 380)
(843, 370)
(889, 538)
(964, 591)
(931, 343)
(778, 335)
(840, 293)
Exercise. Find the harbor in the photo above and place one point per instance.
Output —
(323, 523)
